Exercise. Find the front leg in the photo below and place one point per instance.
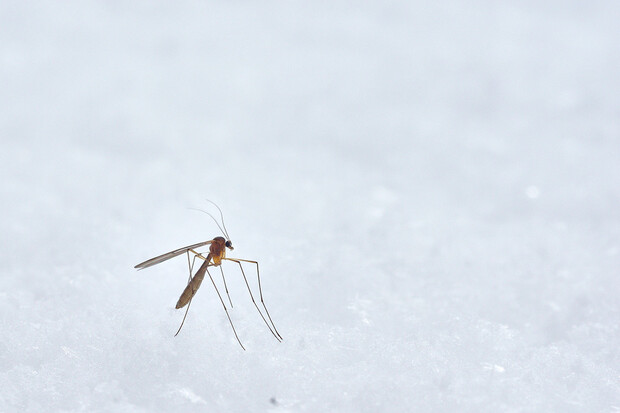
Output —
(199, 255)
(260, 290)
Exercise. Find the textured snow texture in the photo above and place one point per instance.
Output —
(432, 190)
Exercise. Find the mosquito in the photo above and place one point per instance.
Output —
(217, 254)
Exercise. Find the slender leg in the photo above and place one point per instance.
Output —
(252, 297)
(225, 309)
(185, 315)
(208, 258)
(226, 287)
(260, 290)
(199, 255)
(191, 267)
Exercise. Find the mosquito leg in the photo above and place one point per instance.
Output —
(226, 287)
(199, 255)
(225, 309)
(260, 290)
(191, 268)
(185, 315)
(277, 336)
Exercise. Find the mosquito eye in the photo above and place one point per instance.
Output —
(229, 244)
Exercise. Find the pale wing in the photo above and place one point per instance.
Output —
(171, 254)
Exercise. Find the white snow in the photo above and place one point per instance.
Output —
(432, 190)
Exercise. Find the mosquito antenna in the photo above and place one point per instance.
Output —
(213, 218)
(221, 216)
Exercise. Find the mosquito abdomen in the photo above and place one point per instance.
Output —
(193, 286)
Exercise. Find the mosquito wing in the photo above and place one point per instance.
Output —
(171, 254)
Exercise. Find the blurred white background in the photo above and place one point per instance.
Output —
(432, 191)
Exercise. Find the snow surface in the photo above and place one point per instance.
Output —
(432, 190)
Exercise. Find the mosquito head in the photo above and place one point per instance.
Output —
(229, 245)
